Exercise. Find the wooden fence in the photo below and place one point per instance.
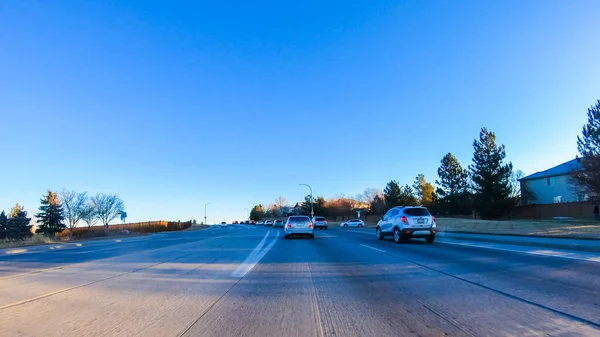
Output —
(578, 210)
(137, 227)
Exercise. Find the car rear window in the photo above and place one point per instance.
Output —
(278, 221)
(295, 219)
(416, 211)
(319, 219)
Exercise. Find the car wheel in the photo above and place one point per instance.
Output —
(430, 239)
(378, 234)
(397, 235)
(359, 225)
(345, 225)
(312, 236)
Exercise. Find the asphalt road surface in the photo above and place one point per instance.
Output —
(249, 281)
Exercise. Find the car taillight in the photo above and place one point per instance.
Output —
(310, 225)
(432, 218)
(289, 225)
(326, 222)
(404, 219)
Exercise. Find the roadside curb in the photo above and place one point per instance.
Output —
(566, 244)
(39, 248)
(516, 235)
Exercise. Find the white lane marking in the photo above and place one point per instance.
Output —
(359, 231)
(254, 258)
(529, 250)
(15, 251)
(377, 249)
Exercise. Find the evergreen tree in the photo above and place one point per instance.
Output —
(491, 176)
(391, 194)
(453, 177)
(587, 180)
(3, 225)
(424, 191)
(378, 205)
(407, 197)
(51, 217)
(17, 225)
(257, 213)
(453, 184)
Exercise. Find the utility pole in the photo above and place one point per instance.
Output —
(312, 213)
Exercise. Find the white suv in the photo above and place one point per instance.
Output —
(405, 222)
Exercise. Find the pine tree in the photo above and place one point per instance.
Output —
(51, 217)
(424, 191)
(587, 180)
(378, 205)
(257, 213)
(453, 184)
(491, 177)
(3, 225)
(391, 194)
(17, 226)
(407, 196)
(453, 177)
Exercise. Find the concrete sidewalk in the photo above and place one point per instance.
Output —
(557, 243)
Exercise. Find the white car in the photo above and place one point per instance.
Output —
(406, 222)
(268, 223)
(223, 224)
(353, 223)
(260, 223)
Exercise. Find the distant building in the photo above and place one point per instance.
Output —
(552, 185)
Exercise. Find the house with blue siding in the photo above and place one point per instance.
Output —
(552, 185)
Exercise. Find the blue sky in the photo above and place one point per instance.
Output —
(172, 104)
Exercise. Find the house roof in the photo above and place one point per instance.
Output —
(559, 170)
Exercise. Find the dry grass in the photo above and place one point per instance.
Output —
(579, 229)
(583, 229)
(35, 240)
(136, 227)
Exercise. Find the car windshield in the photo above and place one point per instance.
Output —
(417, 211)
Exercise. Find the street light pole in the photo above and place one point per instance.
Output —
(312, 213)
(208, 203)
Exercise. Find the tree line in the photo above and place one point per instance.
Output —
(488, 186)
(60, 211)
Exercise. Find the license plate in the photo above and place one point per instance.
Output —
(420, 220)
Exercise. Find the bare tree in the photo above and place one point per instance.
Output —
(280, 201)
(369, 195)
(73, 207)
(89, 214)
(108, 207)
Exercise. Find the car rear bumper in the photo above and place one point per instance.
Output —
(418, 232)
(320, 225)
(299, 231)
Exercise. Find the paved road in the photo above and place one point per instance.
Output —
(248, 281)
